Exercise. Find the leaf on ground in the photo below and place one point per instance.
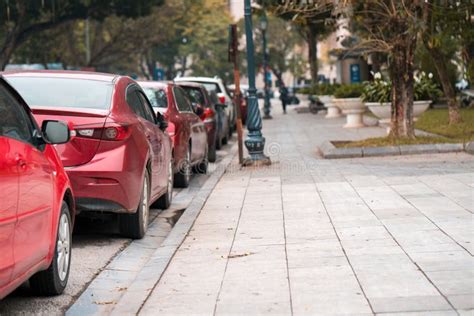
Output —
(240, 255)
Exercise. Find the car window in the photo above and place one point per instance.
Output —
(146, 107)
(14, 120)
(182, 101)
(195, 95)
(158, 98)
(210, 86)
(134, 102)
(64, 92)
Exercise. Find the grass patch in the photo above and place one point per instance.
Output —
(436, 121)
(433, 121)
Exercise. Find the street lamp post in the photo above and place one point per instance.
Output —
(266, 105)
(254, 142)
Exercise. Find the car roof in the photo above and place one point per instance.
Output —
(69, 74)
(201, 79)
(190, 84)
(154, 84)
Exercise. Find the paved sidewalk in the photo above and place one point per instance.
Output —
(308, 236)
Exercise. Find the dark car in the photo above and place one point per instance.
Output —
(120, 159)
(222, 120)
(205, 109)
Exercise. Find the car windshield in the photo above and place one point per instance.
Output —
(157, 97)
(63, 92)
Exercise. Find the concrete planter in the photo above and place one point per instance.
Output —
(354, 109)
(384, 111)
(419, 107)
(333, 110)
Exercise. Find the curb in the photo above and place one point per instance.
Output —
(138, 292)
(329, 151)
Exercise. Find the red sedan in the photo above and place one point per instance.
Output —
(185, 128)
(120, 159)
(36, 201)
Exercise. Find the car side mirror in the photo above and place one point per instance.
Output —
(161, 121)
(198, 109)
(55, 132)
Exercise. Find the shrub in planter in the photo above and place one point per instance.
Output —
(347, 91)
(377, 97)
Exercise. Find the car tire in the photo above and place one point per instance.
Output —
(202, 166)
(211, 154)
(218, 142)
(53, 280)
(135, 225)
(164, 201)
(183, 176)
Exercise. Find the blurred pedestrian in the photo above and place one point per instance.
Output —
(283, 96)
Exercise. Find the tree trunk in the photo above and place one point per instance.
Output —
(401, 71)
(313, 54)
(440, 61)
(7, 51)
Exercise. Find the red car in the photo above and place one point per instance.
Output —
(120, 159)
(205, 109)
(184, 126)
(36, 200)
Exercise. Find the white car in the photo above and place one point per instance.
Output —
(216, 84)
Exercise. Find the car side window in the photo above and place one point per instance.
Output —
(146, 107)
(134, 102)
(182, 101)
(14, 120)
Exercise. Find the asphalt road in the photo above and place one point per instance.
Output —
(96, 242)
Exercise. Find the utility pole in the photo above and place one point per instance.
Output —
(255, 142)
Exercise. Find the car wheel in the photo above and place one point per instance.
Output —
(182, 178)
(53, 281)
(135, 225)
(202, 166)
(218, 142)
(164, 201)
(212, 155)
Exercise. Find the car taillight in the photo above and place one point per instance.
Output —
(222, 99)
(208, 115)
(171, 129)
(112, 132)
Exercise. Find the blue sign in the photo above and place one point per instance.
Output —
(159, 74)
(355, 73)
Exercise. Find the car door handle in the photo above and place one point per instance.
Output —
(20, 162)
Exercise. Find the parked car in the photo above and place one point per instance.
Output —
(204, 108)
(216, 84)
(36, 201)
(222, 121)
(120, 159)
(243, 100)
(186, 129)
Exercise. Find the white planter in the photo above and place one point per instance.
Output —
(333, 110)
(419, 107)
(382, 110)
(354, 109)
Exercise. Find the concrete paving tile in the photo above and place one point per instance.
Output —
(443, 260)
(434, 203)
(423, 313)
(409, 304)
(342, 303)
(258, 307)
(455, 282)
(372, 232)
(179, 304)
(463, 301)
(398, 213)
(468, 312)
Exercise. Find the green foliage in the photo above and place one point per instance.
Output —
(425, 62)
(425, 88)
(346, 91)
(377, 90)
(320, 89)
(437, 121)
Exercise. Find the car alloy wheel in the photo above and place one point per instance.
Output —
(187, 166)
(63, 247)
(170, 181)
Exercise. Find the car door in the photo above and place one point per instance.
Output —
(35, 195)
(9, 185)
(162, 170)
(198, 131)
(148, 128)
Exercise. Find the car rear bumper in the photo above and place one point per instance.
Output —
(211, 129)
(115, 188)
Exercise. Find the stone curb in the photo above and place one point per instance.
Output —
(329, 151)
(149, 276)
